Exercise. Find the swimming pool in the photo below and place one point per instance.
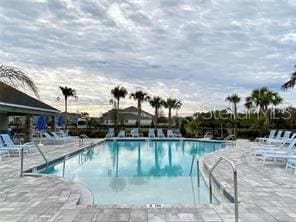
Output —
(139, 172)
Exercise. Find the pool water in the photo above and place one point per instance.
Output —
(140, 172)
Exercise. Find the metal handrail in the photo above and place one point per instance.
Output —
(82, 137)
(232, 137)
(208, 134)
(197, 169)
(234, 181)
(22, 157)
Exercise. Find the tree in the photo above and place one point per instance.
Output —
(234, 99)
(262, 98)
(171, 104)
(67, 92)
(291, 83)
(118, 93)
(84, 114)
(140, 97)
(192, 127)
(156, 102)
(14, 77)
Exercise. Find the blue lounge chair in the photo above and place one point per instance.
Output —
(160, 133)
(170, 133)
(121, 134)
(134, 132)
(178, 133)
(110, 133)
(151, 133)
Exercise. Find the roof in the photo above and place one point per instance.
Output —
(10, 96)
(132, 109)
(128, 113)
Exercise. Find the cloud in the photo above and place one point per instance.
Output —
(197, 51)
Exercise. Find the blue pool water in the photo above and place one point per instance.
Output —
(139, 172)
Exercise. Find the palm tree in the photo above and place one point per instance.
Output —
(262, 98)
(67, 92)
(234, 99)
(156, 102)
(291, 83)
(192, 127)
(12, 76)
(140, 97)
(171, 104)
(118, 93)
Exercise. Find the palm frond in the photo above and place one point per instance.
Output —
(14, 77)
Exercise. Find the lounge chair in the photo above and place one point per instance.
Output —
(170, 133)
(286, 136)
(110, 133)
(134, 132)
(208, 136)
(160, 133)
(279, 154)
(3, 153)
(276, 138)
(12, 148)
(262, 139)
(52, 138)
(291, 162)
(259, 150)
(57, 136)
(151, 133)
(178, 133)
(121, 134)
(64, 134)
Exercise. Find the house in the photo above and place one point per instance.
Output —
(127, 116)
(17, 105)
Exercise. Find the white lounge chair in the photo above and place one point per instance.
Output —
(3, 153)
(160, 133)
(170, 133)
(208, 136)
(64, 134)
(279, 154)
(52, 138)
(262, 139)
(286, 136)
(151, 133)
(260, 149)
(276, 138)
(134, 132)
(59, 137)
(121, 134)
(291, 163)
(110, 133)
(15, 149)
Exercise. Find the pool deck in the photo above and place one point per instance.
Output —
(266, 193)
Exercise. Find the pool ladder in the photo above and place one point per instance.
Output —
(210, 180)
(234, 183)
(22, 158)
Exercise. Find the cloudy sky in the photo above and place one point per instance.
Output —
(199, 51)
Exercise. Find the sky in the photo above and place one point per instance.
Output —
(198, 51)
